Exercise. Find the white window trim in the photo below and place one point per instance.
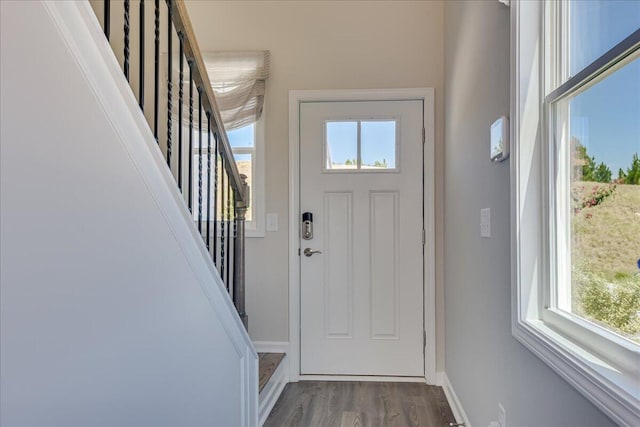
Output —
(616, 394)
(255, 227)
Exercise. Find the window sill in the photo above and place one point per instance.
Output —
(614, 392)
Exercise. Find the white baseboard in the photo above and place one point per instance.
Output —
(370, 378)
(271, 347)
(454, 402)
(272, 391)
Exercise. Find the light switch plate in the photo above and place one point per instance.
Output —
(485, 222)
(272, 222)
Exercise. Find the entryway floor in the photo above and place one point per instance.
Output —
(366, 404)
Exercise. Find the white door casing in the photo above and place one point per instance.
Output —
(361, 295)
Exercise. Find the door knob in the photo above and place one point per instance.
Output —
(309, 252)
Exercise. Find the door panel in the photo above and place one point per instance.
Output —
(384, 264)
(338, 261)
(362, 296)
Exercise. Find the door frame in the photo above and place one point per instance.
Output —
(296, 97)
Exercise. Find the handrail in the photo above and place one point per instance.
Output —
(218, 196)
(192, 53)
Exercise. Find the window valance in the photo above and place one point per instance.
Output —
(238, 81)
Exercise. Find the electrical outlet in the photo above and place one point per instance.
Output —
(502, 416)
(485, 222)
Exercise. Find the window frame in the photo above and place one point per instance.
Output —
(560, 87)
(571, 346)
(255, 227)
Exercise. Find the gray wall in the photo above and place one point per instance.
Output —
(484, 363)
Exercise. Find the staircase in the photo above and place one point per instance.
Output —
(122, 224)
(220, 215)
(159, 55)
(273, 377)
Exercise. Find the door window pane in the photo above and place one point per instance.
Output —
(361, 145)
(341, 145)
(378, 144)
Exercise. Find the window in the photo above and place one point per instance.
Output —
(238, 80)
(246, 143)
(361, 145)
(576, 193)
(247, 146)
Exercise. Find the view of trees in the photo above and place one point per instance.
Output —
(591, 171)
(377, 163)
(380, 164)
(632, 176)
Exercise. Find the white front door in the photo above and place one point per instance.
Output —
(361, 179)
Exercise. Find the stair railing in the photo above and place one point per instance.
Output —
(216, 194)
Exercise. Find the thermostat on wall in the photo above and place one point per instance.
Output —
(500, 140)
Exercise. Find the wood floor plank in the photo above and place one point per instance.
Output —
(351, 419)
(361, 404)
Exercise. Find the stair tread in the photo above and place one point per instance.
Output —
(267, 365)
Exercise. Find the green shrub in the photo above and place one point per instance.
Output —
(617, 305)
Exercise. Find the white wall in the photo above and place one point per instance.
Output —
(484, 363)
(321, 45)
(107, 304)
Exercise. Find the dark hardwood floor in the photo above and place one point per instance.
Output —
(351, 404)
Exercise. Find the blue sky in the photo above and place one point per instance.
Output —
(342, 138)
(606, 118)
(242, 137)
(377, 141)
